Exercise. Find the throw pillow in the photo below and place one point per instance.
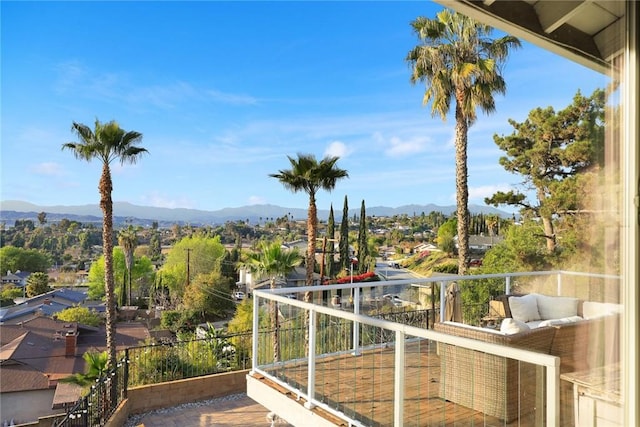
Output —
(512, 326)
(524, 309)
(556, 307)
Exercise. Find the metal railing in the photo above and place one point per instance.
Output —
(156, 363)
(325, 332)
(169, 361)
(100, 403)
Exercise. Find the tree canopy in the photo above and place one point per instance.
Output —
(196, 254)
(552, 151)
(18, 259)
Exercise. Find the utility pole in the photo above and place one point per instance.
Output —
(188, 257)
(324, 249)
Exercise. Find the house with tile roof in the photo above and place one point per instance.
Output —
(37, 353)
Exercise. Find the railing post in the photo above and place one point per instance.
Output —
(507, 285)
(125, 380)
(442, 300)
(553, 396)
(559, 284)
(311, 368)
(398, 381)
(254, 341)
(356, 325)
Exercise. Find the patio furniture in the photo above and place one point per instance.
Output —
(586, 341)
(497, 386)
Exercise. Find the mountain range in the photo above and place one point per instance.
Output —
(12, 210)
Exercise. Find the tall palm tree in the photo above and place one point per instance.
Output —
(106, 142)
(271, 260)
(309, 175)
(457, 60)
(128, 240)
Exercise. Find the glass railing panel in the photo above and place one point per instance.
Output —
(477, 388)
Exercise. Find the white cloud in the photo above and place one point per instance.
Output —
(48, 168)
(257, 200)
(338, 149)
(232, 98)
(400, 148)
(479, 193)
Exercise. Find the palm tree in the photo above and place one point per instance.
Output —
(273, 261)
(107, 142)
(458, 61)
(309, 175)
(95, 368)
(128, 240)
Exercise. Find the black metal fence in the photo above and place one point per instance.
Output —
(169, 361)
(156, 363)
(100, 403)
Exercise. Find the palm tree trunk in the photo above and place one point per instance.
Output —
(462, 188)
(312, 225)
(129, 280)
(106, 204)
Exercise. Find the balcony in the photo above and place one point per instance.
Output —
(365, 370)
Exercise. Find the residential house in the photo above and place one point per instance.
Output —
(17, 279)
(47, 304)
(37, 353)
(425, 248)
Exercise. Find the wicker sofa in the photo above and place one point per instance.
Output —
(508, 389)
(494, 385)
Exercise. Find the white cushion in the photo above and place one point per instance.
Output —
(512, 326)
(556, 307)
(562, 321)
(591, 309)
(524, 309)
(534, 323)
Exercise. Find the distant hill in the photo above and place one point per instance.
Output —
(12, 210)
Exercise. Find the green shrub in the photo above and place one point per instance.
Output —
(448, 267)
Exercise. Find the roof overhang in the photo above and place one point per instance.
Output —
(588, 32)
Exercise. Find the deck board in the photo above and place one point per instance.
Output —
(363, 388)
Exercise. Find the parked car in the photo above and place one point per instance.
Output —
(475, 263)
(238, 296)
(394, 299)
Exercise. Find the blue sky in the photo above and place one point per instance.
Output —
(223, 92)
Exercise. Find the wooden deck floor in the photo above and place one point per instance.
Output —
(363, 388)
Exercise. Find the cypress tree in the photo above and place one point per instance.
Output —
(331, 232)
(363, 248)
(344, 236)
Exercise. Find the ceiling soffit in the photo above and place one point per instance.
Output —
(586, 31)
